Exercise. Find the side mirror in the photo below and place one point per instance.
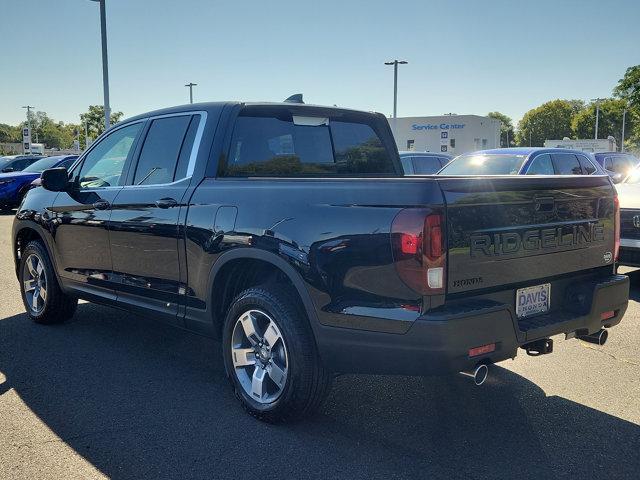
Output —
(55, 179)
(617, 178)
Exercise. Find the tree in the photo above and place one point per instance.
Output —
(628, 87)
(609, 122)
(551, 120)
(10, 134)
(507, 138)
(94, 118)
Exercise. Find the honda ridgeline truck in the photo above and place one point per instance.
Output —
(288, 231)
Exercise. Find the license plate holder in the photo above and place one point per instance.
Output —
(533, 300)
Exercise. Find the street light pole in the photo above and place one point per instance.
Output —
(105, 63)
(395, 64)
(191, 85)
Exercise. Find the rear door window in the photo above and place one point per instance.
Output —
(541, 165)
(567, 164)
(426, 164)
(274, 142)
(162, 147)
(587, 165)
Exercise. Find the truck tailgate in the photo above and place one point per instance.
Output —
(515, 230)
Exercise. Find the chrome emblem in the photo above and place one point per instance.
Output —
(607, 257)
(636, 221)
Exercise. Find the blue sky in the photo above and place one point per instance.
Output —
(465, 57)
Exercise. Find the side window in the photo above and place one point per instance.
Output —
(426, 165)
(567, 164)
(273, 142)
(161, 150)
(608, 163)
(623, 164)
(103, 165)
(407, 165)
(541, 165)
(19, 165)
(587, 165)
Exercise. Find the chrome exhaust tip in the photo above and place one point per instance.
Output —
(479, 374)
(599, 338)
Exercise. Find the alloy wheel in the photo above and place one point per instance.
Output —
(259, 355)
(34, 281)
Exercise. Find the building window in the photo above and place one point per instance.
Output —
(410, 144)
(452, 142)
(484, 143)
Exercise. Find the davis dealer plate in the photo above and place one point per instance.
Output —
(532, 300)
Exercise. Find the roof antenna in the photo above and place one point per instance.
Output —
(296, 98)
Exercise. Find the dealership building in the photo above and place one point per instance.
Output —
(453, 134)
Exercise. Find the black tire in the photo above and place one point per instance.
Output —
(307, 382)
(57, 306)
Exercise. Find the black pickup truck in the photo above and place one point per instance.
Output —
(288, 231)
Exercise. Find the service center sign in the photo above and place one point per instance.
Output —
(435, 126)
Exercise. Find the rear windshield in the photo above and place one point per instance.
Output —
(479, 164)
(276, 143)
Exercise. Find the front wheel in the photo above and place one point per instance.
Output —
(270, 356)
(43, 299)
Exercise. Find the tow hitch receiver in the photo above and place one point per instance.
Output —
(539, 347)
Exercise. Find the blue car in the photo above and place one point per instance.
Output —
(617, 164)
(14, 185)
(16, 163)
(524, 161)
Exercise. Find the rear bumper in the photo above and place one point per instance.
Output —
(439, 342)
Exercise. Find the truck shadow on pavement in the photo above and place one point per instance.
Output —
(141, 400)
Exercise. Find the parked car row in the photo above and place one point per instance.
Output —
(21, 174)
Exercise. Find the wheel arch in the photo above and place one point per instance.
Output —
(25, 233)
(271, 264)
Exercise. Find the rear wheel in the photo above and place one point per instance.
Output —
(270, 356)
(43, 299)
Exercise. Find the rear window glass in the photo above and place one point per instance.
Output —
(426, 165)
(479, 164)
(541, 165)
(274, 143)
(567, 164)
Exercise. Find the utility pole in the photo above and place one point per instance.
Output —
(105, 63)
(29, 107)
(624, 118)
(395, 64)
(191, 85)
(597, 101)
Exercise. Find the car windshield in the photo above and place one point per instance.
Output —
(483, 164)
(41, 165)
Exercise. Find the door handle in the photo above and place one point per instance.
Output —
(166, 203)
(101, 205)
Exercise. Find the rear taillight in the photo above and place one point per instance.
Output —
(417, 237)
(616, 228)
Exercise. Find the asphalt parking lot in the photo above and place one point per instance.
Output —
(111, 394)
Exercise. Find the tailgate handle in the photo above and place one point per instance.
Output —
(544, 204)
